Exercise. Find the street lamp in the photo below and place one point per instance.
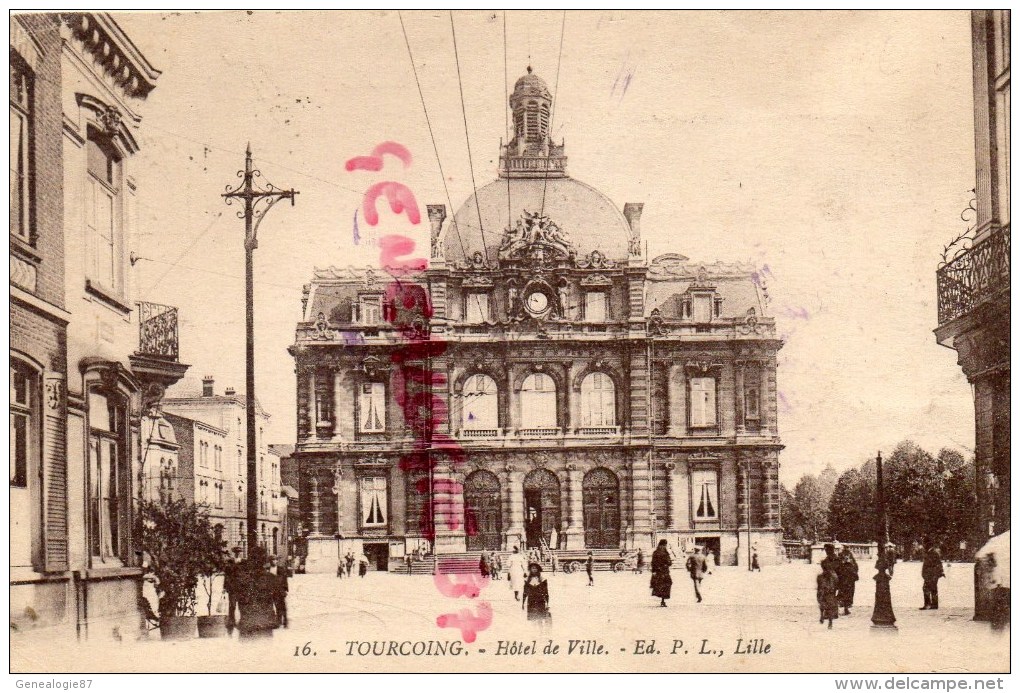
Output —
(251, 195)
(882, 616)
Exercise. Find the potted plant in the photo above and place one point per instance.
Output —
(175, 536)
(213, 563)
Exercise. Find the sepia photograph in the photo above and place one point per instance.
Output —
(510, 341)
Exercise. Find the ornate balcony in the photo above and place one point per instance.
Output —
(481, 433)
(598, 431)
(973, 275)
(155, 362)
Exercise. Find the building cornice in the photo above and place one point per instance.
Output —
(100, 36)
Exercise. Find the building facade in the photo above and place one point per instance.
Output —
(88, 359)
(584, 395)
(973, 283)
(211, 431)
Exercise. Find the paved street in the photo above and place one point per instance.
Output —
(775, 607)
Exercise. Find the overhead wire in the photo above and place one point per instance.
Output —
(552, 109)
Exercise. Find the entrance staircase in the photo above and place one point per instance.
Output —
(464, 563)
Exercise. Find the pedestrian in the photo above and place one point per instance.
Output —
(255, 597)
(536, 596)
(662, 582)
(826, 592)
(281, 587)
(830, 562)
(589, 566)
(484, 564)
(515, 572)
(931, 571)
(554, 560)
(710, 561)
(231, 586)
(755, 565)
(497, 566)
(639, 564)
(349, 561)
(696, 567)
(847, 573)
(408, 560)
(362, 564)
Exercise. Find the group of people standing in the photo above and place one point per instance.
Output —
(836, 583)
(345, 565)
(256, 591)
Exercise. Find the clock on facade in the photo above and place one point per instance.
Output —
(537, 303)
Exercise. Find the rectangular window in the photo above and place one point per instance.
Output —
(595, 306)
(373, 501)
(702, 402)
(702, 308)
(21, 425)
(751, 404)
(101, 213)
(107, 424)
(476, 307)
(323, 398)
(370, 312)
(21, 122)
(705, 488)
(372, 407)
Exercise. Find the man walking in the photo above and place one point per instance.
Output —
(931, 571)
(697, 567)
(231, 587)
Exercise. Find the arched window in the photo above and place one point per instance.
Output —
(598, 400)
(481, 409)
(538, 402)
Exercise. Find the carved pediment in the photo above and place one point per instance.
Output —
(595, 260)
(702, 363)
(596, 280)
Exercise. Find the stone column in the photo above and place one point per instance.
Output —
(677, 401)
(739, 397)
(770, 490)
(575, 528)
(448, 503)
(641, 504)
(339, 403)
(743, 511)
(674, 495)
(316, 510)
(514, 483)
(338, 491)
(767, 401)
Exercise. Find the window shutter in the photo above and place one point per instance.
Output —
(54, 468)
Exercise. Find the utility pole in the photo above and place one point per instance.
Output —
(251, 195)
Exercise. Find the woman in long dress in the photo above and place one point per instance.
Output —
(536, 596)
(515, 569)
(828, 603)
(662, 582)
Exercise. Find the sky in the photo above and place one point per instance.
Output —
(834, 149)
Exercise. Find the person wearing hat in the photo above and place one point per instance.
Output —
(662, 583)
(230, 586)
(536, 595)
(697, 567)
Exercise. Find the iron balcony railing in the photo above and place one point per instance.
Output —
(973, 275)
(157, 331)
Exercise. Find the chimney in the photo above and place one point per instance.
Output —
(632, 213)
(230, 392)
(207, 386)
(437, 215)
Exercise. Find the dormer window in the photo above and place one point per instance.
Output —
(703, 308)
(369, 310)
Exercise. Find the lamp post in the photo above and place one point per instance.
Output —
(882, 616)
(251, 195)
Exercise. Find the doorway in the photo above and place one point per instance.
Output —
(541, 507)
(600, 491)
(378, 556)
(709, 544)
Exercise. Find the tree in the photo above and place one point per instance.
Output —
(852, 506)
(179, 544)
(806, 510)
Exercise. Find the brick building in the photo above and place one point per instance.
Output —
(602, 399)
(87, 359)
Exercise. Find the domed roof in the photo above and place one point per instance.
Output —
(589, 219)
(531, 85)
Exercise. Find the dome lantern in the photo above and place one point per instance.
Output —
(531, 153)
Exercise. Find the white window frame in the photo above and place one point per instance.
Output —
(480, 410)
(476, 307)
(105, 527)
(374, 488)
(705, 495)
(538, 397)
(370, 310)
(703, 410)
(702, 307)
(596, 312)
(372, 407)
(103, 234)
(22, 115)
(598, 400)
